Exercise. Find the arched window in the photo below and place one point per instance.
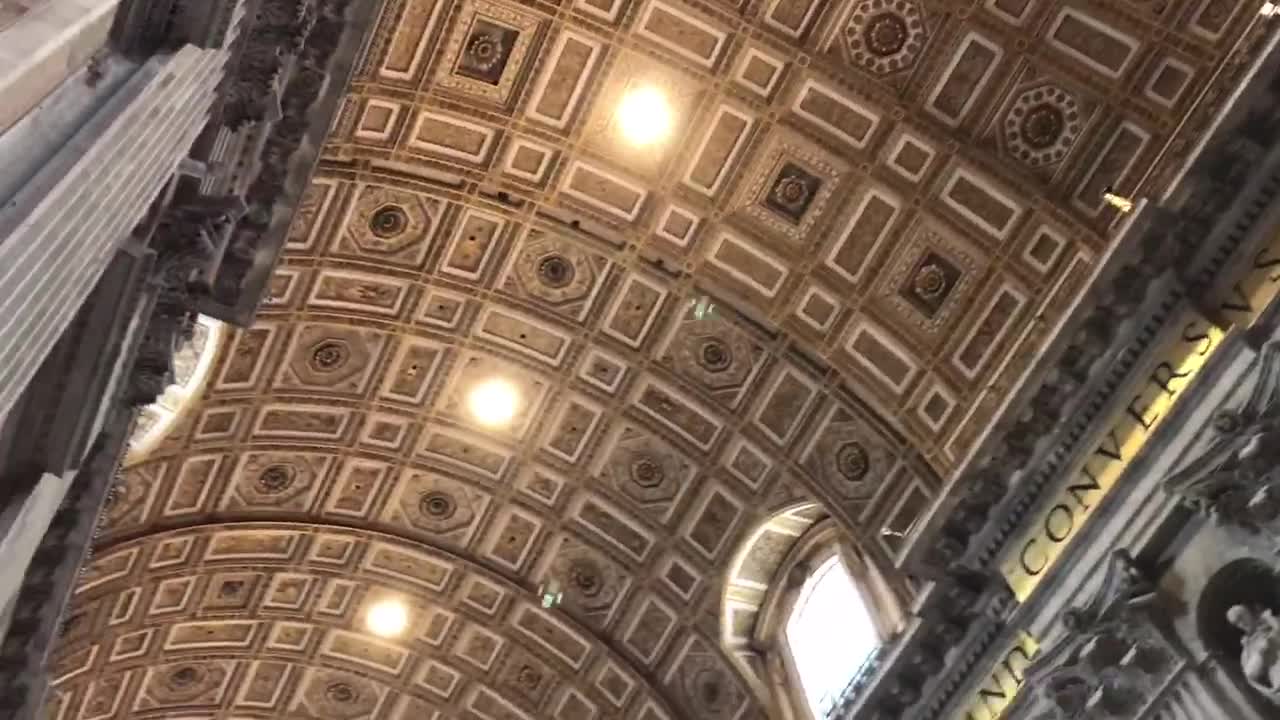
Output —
(831, 635)
(806, 613)
(191, 365)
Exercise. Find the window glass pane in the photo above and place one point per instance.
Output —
(192, 362)
(830, 633)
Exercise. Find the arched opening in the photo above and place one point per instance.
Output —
(806, 613)
(1252, 588)
(191, 365)
(830, 635)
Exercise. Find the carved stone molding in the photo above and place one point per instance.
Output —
(1113, 655)
(146, 26)
(267, 48)
(53, 572)
(299, 55)
(1171, 241)
(188, 238)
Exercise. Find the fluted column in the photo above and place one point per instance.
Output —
(58, 233)
(1205, 693)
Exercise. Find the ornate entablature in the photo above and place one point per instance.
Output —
(1173, 257)
(207, 245)
(1166, 240)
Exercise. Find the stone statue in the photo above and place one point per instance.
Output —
(1260, 649)
(1234, 478)
(1112, 658)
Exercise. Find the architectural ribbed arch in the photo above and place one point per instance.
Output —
(251, 586)
(766, 576)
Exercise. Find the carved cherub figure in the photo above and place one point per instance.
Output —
(1259, 648)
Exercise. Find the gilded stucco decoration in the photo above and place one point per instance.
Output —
(868, 219)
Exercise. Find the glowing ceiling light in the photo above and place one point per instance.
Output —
(494, 402)
(644, 116)
(387, 618)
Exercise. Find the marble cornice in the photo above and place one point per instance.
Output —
(1167, 260)
(1235, 227)
(1211, 199)
(1110, 335)
(312, 90)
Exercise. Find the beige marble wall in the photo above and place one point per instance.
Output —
(41, 43)
(11, 10)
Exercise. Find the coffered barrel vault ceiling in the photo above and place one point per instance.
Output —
(888, 203)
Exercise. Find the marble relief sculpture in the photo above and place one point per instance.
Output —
(1260, 648)
(1233, 479)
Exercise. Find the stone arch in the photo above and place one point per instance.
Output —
(1249, 582)
(751, 576)
(192, 364)
(763, 583)
(206, 592)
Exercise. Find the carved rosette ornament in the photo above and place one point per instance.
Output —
(329, 356)
(794, 190)
(716, 354)
(340, 696)
(647, 470)
(487, 50)
(930, 282)
(188, 683)
(388, 221)
(1111, 658)
(884, 36)
(708, 686)
(850, 461)
(1234, 478)
(276, 480)
(555, 272)
(436, 504)
(592, 583)
(484, 50)
(1042, 125)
